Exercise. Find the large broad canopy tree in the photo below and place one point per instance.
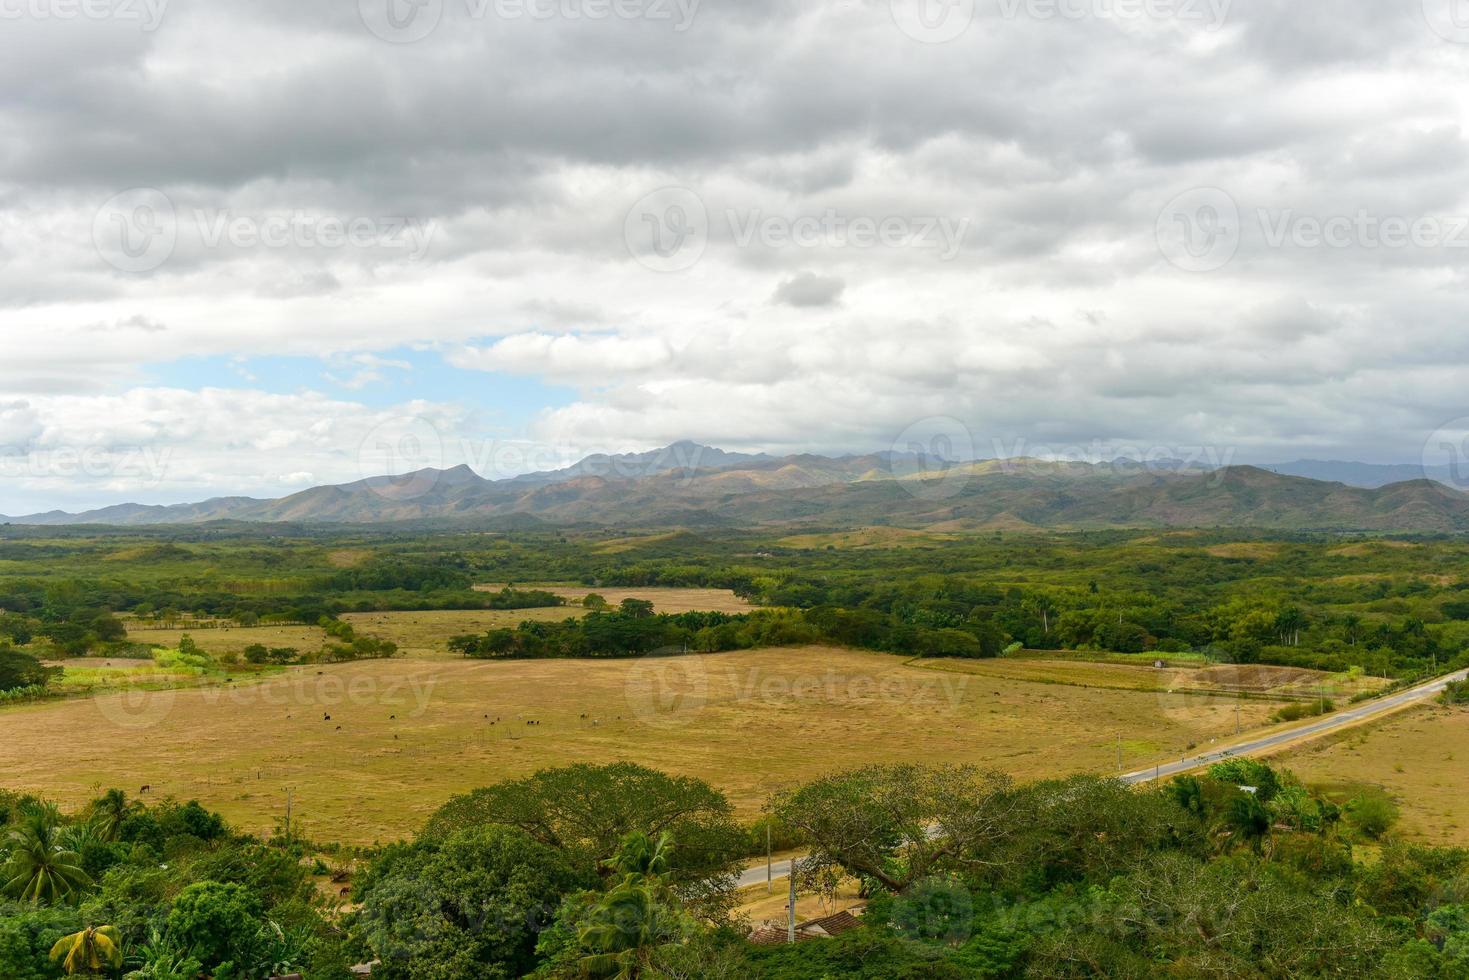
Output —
(469, 905)
(587, 811)
(899, 824)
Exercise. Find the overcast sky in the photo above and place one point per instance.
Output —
(255, 246)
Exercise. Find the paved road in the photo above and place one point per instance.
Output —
(1368, 709)
(756, 875)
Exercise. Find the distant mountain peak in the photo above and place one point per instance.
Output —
(689, 484)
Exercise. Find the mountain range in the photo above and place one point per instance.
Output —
(687, 484)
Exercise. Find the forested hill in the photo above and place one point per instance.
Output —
(691, 486)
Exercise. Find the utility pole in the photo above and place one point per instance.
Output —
(1237, 728)
(769, 868)
(791, 908)
(288, 816)
(1119, 753)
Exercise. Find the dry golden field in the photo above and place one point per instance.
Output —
(234, 639)
(1417, 756)
(427, 633)
(406, 734)
(664, 600)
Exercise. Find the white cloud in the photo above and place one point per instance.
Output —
(493, 167)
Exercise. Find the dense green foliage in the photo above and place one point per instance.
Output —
(179, 894)
(581, 873)
(1329, 602)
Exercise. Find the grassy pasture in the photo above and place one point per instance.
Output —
(749, 722)
(427, 633)
(234, 639)
(1416, 756)
(664, 600)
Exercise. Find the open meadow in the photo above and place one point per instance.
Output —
(1416, 757)
(664, 600)
(426, 633)
(232, 639)
(403, 735)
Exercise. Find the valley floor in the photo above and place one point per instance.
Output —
(370, 749)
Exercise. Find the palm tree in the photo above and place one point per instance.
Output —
(110, 810)
(89, 951)
(636, 918)
(40, 868)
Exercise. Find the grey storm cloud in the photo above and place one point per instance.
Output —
(810, 290)
(813, 145)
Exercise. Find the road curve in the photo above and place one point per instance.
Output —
(1367, 710)
(1329, 723)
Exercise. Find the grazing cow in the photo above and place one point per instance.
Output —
(339, 728)
(145, 789)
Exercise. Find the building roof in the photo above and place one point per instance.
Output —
(774, 934)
